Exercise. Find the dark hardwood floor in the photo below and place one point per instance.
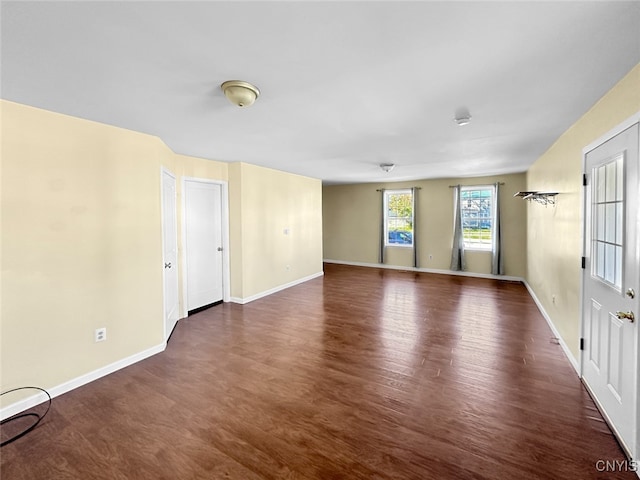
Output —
(362, 374)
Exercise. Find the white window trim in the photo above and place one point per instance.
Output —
(481, 247)
(386, 223)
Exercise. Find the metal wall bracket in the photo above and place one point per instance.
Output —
(544, 198)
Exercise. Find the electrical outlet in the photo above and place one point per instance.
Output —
(100, 334)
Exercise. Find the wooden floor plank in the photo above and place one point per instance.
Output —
(362, 374)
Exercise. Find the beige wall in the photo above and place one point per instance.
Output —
(81, 240)
(236, 262)
(266, 203)
(81, 245)
(351, 224)
(200, 168)
(555, 234)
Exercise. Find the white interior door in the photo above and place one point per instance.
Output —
(611, 282)
(203, 243)
(169, 249)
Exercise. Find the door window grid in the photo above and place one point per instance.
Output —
(608, 222)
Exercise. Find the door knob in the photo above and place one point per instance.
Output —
(630, 293)
(628, 315)
(167, 265)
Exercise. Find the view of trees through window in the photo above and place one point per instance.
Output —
(398, 213)
(477, 220)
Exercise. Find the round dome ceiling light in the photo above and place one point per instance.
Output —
(463, 120)
(462, 116)
(240, 93)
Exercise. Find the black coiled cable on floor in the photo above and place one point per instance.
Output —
(24, 415)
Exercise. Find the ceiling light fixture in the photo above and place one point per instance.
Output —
(462, 116)
(387, 167)
(240, 93)
(463, 120)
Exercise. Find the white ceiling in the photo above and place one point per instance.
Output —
(344, 86)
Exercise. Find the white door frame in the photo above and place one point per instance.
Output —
(629, 122)
(226, 275)
(168, 172)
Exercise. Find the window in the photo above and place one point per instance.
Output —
(398, 218)
(607, 200)
(477, 217)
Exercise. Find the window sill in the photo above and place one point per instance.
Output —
(398, 245)
(477, 249)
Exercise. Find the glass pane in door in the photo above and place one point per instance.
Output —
(607, 234)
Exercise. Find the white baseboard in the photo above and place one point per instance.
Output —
(556, 333)
(427, 270)
(58, 390)
(279, 288)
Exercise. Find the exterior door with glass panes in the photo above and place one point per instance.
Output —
(610, 280)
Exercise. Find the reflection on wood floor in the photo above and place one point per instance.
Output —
(362, 374)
